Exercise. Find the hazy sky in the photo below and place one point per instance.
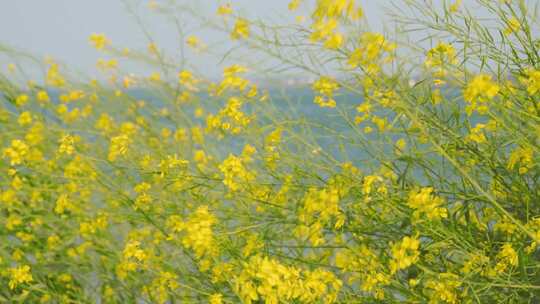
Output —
(60, 28)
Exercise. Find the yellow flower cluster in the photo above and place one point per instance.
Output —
(404, 253)
(531, 80)
(67, 143)
(523, 157)
(159, 289)
(507, 258)
(236, 175)
(325, 87)
(319, 208)
(365, 266)
(19, 275)
(229, 119)
(198, 234)
(373, 50)
(441, 58)
(240, 30)
(132, 258)
(232, 79)
(17, 152)
(425, 203)
(100, 41)
(480, 90)
(326, 17)
(53, 77)
(444, 289)
(266, 279)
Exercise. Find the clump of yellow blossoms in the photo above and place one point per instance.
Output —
(198, 234)
(19, 275)
(404, 253)
(326, 18)
(523, 158)
(100, 41)
(425, 203)
(232, 79)
(325, 87)
(372, 52)
(266, 279)
(320, 207)
(132, 257)
(366, 267)
(479, 91)
(444, 289)
(236, 175)
(229, 119)
(531, 80)
(240, 30)
(441, 58)
(17, 152)
(119, 146)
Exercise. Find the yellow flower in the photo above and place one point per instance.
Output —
(133, 250)
(232, 80)
(63, 204)
(13, 221)
(193, 41)
(424, 202)
(454, 7)
(373, 51)
(25, 118)
(334, 41)
(441, 55)
(337, 8)
(119, 146)
(187, 79)
(107, 64)
(326, 87)
(155, 77)
(43, 97)
(481, 88)
(216, 298)
(127, 81)
(66, 145)
(21, 100)
(404, 254)
(507, 257)
(132, 257)
(531, 80)
(444, 289)
(53, 77)
(235, 173)
(100, 41)
(17, 152)
(322, 29)
(269, 281)
(240, 30)
(293, 5)
(152, 48)
(19, 275)
(523, 157)
(225, 9)
(478, 91)
(198, 232)
(477, 134)
(513, 26)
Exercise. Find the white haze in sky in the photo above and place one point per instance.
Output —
(60, 28)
